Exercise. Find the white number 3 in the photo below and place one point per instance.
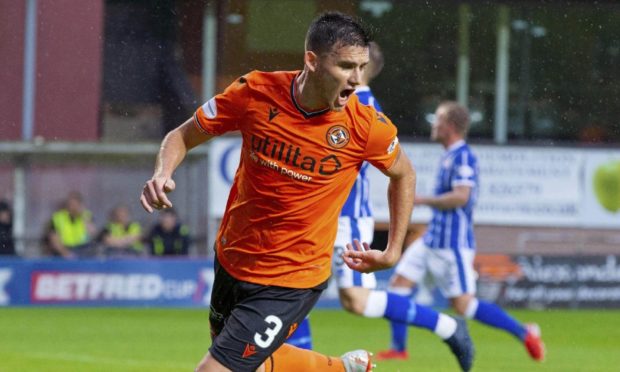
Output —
(275, 325)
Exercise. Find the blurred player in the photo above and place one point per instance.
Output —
(305, 137)
(355, 289)
(445, 254)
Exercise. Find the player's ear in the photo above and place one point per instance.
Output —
(311, 60)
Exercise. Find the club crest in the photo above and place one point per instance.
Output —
(338, 136)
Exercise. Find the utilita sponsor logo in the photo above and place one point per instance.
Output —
(57, 287)
(293, 157)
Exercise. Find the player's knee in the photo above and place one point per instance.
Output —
(459, 304)
(398, 281)
(353, 300)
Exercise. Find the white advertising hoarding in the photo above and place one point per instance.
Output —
(527, 186)
(518, 185)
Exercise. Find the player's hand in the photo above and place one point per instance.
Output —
(359, 257)
(154, 193)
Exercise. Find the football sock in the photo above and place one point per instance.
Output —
(399, 330)
(402, 309)
(291, 358)
(494, 316)
(302, 337)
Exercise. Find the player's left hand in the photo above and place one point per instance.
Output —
(358, 256)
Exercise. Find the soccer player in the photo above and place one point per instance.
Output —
(445, 253)
(357, 290)
(305, 137)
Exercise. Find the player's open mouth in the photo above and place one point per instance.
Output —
(344, 95)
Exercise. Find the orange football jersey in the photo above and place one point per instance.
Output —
(295, 173)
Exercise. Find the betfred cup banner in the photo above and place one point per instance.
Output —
(132, 282)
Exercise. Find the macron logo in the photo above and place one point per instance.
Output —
(5, 275)
(273, 112)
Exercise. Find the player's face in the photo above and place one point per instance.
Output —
(340, 72)
(440, 127)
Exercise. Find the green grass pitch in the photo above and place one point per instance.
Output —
(123, 340)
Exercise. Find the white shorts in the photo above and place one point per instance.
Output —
(363, 230)
(451, 271)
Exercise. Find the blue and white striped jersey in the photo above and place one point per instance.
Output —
(358, 202)
(453, 228)
(365, 96)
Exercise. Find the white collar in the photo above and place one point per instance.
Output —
(362, 88)
(456, 145)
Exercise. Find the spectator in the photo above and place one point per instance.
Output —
(7, 245)
(169, 237)
(69, 233)
(121, 236)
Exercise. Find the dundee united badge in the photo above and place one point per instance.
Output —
(338, 136)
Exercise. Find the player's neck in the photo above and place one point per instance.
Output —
(307, 94)
(449, 143)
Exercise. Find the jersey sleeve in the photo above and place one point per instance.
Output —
(464, 170)
(382, 148)
(223, 112)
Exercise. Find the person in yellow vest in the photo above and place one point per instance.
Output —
(121, 236)
(71, 229)
(169, 237)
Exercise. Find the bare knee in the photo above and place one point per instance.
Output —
(354, 299)
(460, 303)
(399, 281)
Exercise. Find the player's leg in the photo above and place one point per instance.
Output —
(291, 358)
(414, 267)
(401, 310)
(465, 303)
(399, 331)
(411, 269)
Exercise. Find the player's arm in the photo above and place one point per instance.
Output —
(173, 149)
(401, 193)
(456, 198)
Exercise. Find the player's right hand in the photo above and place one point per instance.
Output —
(360, 257)
(154, 193)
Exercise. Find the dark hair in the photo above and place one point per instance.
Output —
(457, 114)
(335, 28)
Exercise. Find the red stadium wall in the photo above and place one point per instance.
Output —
(12, 14)
(68, 69)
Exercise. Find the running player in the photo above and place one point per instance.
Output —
(445, 254)
(305, 137)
